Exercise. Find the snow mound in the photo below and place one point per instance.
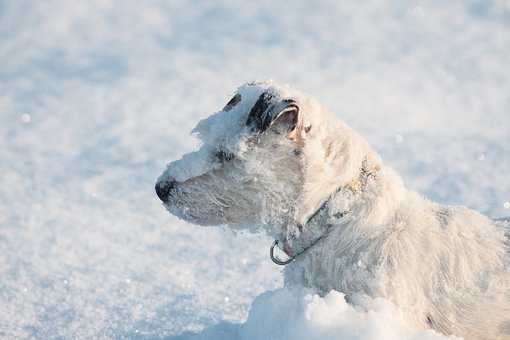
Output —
(299, 314)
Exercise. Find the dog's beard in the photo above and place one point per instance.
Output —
(242, 206)
(255, 192)
(213, 200)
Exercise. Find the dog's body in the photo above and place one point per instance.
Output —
(275, 160)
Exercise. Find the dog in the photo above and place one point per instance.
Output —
(275, 160)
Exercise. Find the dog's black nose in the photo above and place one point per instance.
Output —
(163, 189)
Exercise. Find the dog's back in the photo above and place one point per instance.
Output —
(474, 300)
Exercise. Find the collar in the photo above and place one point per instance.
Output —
(299, 239)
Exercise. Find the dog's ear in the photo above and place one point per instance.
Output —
(286, 116)
(271, 111)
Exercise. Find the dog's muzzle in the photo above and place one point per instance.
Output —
(164, 189)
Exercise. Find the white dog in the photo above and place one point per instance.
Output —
(274, 159)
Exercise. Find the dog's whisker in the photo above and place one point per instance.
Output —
(220, 202)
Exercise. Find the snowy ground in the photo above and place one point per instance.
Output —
(96, 97)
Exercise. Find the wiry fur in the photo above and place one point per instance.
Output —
(445, 267)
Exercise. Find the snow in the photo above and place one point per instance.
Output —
(298, 314)
(96, 97)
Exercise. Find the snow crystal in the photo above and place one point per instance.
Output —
(418, 11)
(26, 118)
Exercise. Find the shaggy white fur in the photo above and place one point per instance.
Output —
(274, 159)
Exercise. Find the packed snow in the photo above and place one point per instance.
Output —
(96, 97)
(299, 314)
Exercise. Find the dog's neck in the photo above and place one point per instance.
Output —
(379, 196)
(297, 239)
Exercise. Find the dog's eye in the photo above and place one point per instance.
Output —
(224, 156)
(232, 102)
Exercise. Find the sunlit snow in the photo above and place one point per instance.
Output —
(97, 96)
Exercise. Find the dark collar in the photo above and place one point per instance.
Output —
(303, 239)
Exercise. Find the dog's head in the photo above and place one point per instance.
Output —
(270, 157)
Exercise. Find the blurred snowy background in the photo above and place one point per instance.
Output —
(97, 96)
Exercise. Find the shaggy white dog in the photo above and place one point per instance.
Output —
(274, 159)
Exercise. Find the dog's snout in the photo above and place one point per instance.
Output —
(163, 189)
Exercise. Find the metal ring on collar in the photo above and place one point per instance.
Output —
(275, 259)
